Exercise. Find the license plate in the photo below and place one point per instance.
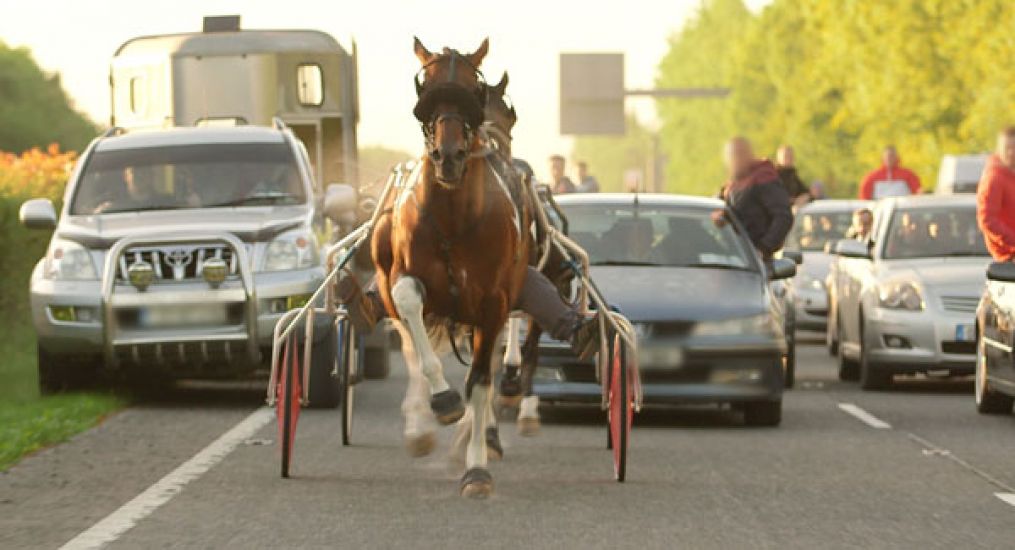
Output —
(183, 315)
(965, 333)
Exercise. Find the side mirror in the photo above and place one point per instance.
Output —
(38, 214)
(851, 248)
(795, 255)
(339, 201)
(1001, 271)
(782, 268)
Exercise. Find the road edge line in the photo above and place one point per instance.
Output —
(1008, 498)
(123, 519)
(864, 416)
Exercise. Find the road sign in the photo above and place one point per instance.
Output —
(592, 93)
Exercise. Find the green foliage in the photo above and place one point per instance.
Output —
(376, 161)
(34, 110)
(839, 80)
(608, 157)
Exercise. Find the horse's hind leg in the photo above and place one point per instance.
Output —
(511, 383)
(407, 294)
(477, 481)
(528, 409)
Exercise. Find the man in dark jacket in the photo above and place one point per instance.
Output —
(755, 195)
(785, 159)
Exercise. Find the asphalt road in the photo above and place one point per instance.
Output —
(927, 477)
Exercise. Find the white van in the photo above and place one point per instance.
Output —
(960, 174)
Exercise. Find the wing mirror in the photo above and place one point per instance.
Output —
(339, 202)
(781, 268)
(38, 214)
(1001, 271)
(795, 255)
(852, 248)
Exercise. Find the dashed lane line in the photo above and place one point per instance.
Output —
(127, 516)
(864, 416)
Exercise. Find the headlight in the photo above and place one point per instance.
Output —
(68, 260)
(900, 295)
(293, 250)
(754, 325)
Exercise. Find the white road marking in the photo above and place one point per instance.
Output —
(1007, 497)
(127, 516)
(864, 416)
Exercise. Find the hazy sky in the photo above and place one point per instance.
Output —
(77, 39)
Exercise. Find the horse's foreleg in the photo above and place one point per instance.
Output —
(420, 438)
(528, 409)
(511, 388)
(407, 294)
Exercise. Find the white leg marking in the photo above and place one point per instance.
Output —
(864, 416)
(512, 346)
(529, 407)
(409, 304)
(113, 526)
(475, 455)
(419, 418)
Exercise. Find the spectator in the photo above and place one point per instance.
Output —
(755, 195)
(818, 190)
(890, 180)
(785, 159)
(558, 181)
(863, 222)
(586, 183)
(995, 199)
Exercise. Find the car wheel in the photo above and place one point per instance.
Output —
(325, 387)
(59, 374)
(849, 370)
(988, 401)
(763, 413)
(871, 378)
(789, 378)
(376, 363)
(832, 338)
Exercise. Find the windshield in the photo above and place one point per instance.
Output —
(934, 232)
(811, 231)
(653, 235)
(188, 176)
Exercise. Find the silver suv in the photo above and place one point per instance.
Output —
(175, 253)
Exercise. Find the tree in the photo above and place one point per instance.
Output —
(609, 157)
(376, 161)
(34, 109)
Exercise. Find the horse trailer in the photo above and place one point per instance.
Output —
(228, 76)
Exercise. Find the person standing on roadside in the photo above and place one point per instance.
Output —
(890, 180)
(560, 183)
(995, 198)
(755, 195)
(586, 182)
(785, 160)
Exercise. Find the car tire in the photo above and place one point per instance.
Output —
(59, 374)
(849, 370)
(789, 378)
(762, 413)
(376, 363)
(325, 387)
(832, 339)
(871, 378)
(987, 400)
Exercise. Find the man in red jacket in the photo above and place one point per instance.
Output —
(995, 199)
(890, 180)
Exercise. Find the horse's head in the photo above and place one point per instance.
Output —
(500, 112)
(452, 96)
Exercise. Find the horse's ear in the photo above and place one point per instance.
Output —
(422, 53)
(502, 85)
(477, 56)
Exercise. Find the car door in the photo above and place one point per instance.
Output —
(999, 331)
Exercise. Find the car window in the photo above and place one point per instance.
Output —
(188, 176)
(811, 231)
(653, 235)
(934, 232)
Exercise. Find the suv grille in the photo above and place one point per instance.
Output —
(960, 304)
(177, 262)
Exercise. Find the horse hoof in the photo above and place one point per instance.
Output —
(493, 448)
(509, 401)
(447, 406)
(476, 483)
(420, 445)
(528, 427)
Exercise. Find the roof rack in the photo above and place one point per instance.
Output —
(278, 123)
(114, 131)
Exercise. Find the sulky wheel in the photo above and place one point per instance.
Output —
(347, 363)
(288, 400)
(621, 399)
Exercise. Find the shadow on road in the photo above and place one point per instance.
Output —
(202, 393)
(705, 417)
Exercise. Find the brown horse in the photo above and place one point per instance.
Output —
(452, 252)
